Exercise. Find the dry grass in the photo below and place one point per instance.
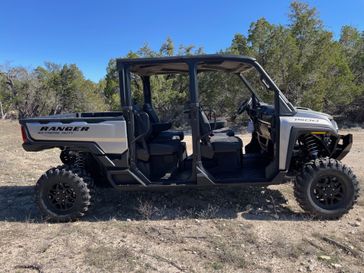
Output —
(240, 230)
(109, 258)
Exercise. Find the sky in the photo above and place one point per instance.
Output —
(90, 33)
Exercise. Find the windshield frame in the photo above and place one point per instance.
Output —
(283, 101)
(249, 86)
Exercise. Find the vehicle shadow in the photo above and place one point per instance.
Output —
(251, 203)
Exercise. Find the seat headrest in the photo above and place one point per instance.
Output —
(205, 128)
(147, 107)
(142, 124)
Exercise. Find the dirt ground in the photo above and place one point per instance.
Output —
(244, 230)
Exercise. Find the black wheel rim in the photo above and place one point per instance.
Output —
(66, 157)
(328, 192)
(61, 197)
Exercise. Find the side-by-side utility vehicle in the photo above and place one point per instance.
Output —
(132, 149)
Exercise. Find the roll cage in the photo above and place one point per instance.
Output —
(192, 65)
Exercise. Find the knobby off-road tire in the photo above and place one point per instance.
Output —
(65, 193)
(326, 188)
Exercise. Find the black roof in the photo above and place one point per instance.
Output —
(179, 64)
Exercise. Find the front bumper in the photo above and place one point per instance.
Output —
(343, 146)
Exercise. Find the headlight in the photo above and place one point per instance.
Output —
(335, 125)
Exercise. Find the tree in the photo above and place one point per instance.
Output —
(239, 45)
(20, 91)
(352, 42)
(306, 62)
(169, 91)
(260, 34)
(305, 26)
(111, 88)
(47, 90)
(167, 48)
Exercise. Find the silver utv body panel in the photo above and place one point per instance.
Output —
(303, 119)
(109, 135)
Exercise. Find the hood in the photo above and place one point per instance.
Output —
(307, 112)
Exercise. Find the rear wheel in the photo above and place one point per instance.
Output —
(326, 188)
(64, 193)
(67, 157)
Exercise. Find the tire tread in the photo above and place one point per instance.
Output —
(308, 173)
(81, 179)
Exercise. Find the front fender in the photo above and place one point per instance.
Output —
(295, 133)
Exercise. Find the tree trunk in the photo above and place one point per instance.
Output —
(2, 111)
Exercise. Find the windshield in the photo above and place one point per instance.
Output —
(258, 86)
(221, 92)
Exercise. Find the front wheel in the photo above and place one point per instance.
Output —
(326, 188)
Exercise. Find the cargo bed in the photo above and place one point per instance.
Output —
(101, 132)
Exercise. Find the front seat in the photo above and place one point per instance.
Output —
(225, 150)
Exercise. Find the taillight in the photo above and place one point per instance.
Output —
(23, 134)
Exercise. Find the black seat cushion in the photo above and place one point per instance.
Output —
(160, 149)
(224, 132)
(145, 146)
(160, 127)
(219, 144)
(222, 143)
(168, 148)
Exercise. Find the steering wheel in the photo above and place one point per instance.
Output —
(244, 105)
